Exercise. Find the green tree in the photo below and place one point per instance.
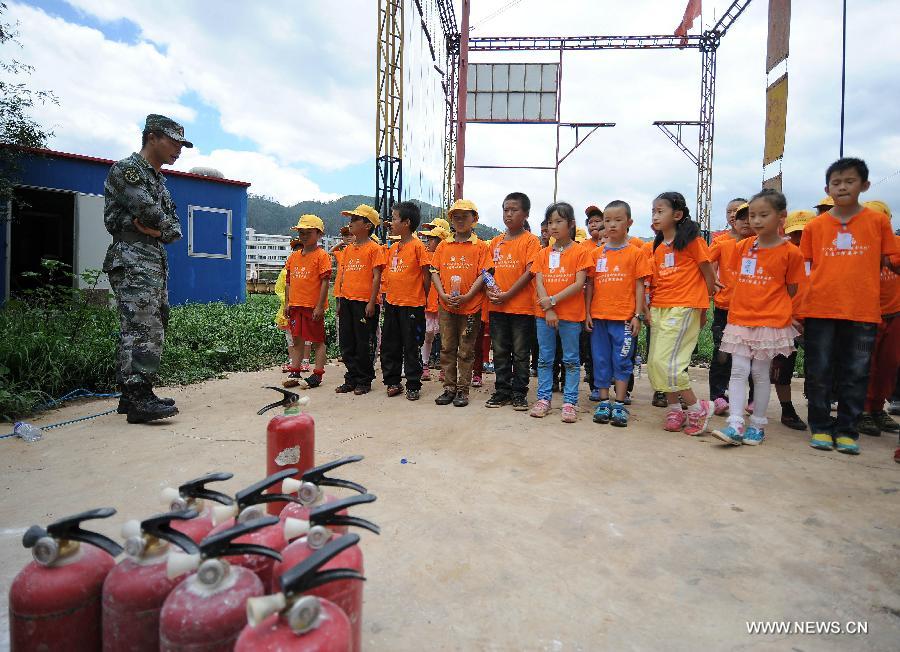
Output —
(17, 127)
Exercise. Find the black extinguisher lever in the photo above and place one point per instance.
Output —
(328, 513)
(288, 399)
(221, 544)
(196, 488)
(306, 575)
(253, 495)
(69, 529)
(160, 526)
(317, 476)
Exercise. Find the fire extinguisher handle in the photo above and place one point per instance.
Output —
(288, 398)
(306, 575)
(160, 526)
(220, 544)
(196, 488)
(253, 495)
(69, 529)
(328, 513)
(317, 476)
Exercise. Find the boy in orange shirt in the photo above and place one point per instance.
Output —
(614, 304)
(360, 279)
(306, 289)
(407, 281)
(456, 275)
(845, 249)
(431, 238)
(512, 304)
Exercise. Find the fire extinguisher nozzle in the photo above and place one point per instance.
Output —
(258, 609)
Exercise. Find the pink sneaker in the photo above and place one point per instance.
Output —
(426, 374)
(304, 365)
(540, 409)
(569, 415)
(697, 420)
(720, 407)
(476, 380)
(675, 420)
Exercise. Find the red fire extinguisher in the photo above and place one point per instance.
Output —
(309, 489)
(207, 610)
(290, 438)
(54, 602)
(291, 620)
(347, 595)
(248, 507)
(134, 591)
(193, 494)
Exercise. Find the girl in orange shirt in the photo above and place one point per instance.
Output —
(766, 271)
(561, 269)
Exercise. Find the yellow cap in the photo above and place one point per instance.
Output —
(439, 222)
(393, 237)
(309, 222)
(374, 238)
(826, 201)
(743, 207)
(796, 220)
(436, 232)
(580, 234)
(366, 211)
(463, 205)
(878, 205)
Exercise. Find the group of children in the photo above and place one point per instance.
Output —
(772, 276)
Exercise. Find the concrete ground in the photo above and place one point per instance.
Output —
(504, 532)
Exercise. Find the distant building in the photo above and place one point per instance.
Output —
(268, 253)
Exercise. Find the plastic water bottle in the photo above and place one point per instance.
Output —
(27, 432)
(488, 279)
(637, 366)
(455, 284)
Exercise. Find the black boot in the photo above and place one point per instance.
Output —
(124, 402)
(143, 407)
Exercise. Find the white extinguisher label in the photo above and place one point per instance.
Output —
(288, 456)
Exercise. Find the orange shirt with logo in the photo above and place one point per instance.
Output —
(305, 275)
(360, 262)
(614, 273)
(845, 265)
(890, 285)
(403, 280)
(509, 260)
(431, 302)
(677, 280)
(465, 260)
(636, 242)
(574, 259)
(722, 252)
(761, 277)
(589, 244)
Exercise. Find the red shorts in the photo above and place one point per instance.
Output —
(303, 325)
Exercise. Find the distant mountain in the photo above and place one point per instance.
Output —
(268, 216)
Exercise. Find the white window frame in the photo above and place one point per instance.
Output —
(229, 236)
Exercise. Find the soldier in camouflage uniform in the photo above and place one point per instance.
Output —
(140, 215)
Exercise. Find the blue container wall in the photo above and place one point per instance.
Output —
(191, 279)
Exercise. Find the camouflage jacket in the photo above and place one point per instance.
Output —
(133, 189)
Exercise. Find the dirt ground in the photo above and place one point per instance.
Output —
(504, 532)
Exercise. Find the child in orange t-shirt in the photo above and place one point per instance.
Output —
(845, 250)
(431, 238)
(363, 261)
(406, 282)
(560, 270)
(456, 275)
(683, 284)
(615, 308)
(511, 304)
(766, 270)
(306, 292)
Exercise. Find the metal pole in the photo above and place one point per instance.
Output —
(843, 74)
(461, 100)
(558, 118)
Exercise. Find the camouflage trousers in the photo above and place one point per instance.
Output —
(142, 301)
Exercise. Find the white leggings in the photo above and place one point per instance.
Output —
(741, 367)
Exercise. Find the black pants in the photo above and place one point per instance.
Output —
(720, 365)
(355, 335)
(587, 359)
(511, 343)
(838, 351)
(402, 335)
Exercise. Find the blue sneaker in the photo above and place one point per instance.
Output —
(754, 436)
(619, 416)
(603, 413)
(595, 395)
(845, 444)
(730, 435)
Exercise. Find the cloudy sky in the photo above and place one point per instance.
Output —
(282, 94)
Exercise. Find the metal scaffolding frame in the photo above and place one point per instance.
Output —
(389, 111)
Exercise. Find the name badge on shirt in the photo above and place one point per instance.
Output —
(554, 260)
(669, 259)
(394, 264)
(844, 240)
(748, 266)
(496, 254)
(808, 266)
(601, 265)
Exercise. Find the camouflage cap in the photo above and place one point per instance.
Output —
(169, 127)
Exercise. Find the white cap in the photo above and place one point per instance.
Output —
(180, 563)
(258, 609)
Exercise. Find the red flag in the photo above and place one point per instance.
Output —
(691, 12)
